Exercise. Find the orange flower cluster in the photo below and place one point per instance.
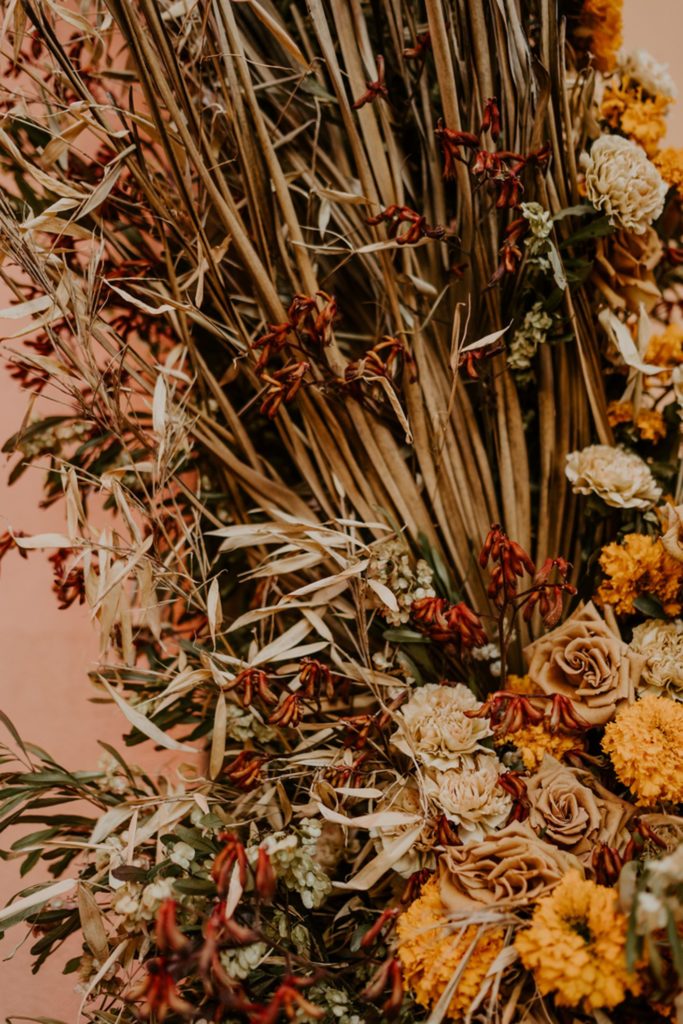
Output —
(432, 948)
(666, 349)
(639, 566)
(642, 119)
(601, 28)
(669, 163)
(648, 422)
(644, 744)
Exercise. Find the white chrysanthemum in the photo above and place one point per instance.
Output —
(661, 645)
(642, 68)
(619, 477)
(623, 183)
(471, 797)
(434, 729)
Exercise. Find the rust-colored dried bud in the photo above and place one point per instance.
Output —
(158, 993)
(448, 623)
(245, 770)
(451, 144)
(250, 683)
(607, 864)
(413, 886)
(374, 90)
(419, 49)
(282, 386)
(265, 880)
(169, 937)
(233, 853)
(418, 228)
(316, 679)
(563, 713)
(379, 929)
(289, 712)
(446, 833)
(491, 119)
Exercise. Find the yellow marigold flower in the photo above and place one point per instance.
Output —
(519, 684)
(669, 163)
(576, 946)
(643, 120)
(666, 349)
(534, 741)
(619, 412)
(431, 949)
(645, 744)
(650, 425)
(601, 24)
(641, 565)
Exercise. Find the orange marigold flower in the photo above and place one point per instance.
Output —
(535, 741)
(669, 163)
(601, 26)
(576, 946)
(641, 565)
(619, 412)
(666, 349)
(650, 425)
(431, 949)
(519, 684)
(645, 745)
(641, 119)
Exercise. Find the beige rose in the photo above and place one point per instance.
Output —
(512, 868)
(434, 729)
(471, 797)
(568, 807)
(620, 478)
(584, 660)
(623, 183)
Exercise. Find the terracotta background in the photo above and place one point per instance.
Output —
(46, 653)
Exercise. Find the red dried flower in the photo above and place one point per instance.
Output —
(374, 90)
(418, 229)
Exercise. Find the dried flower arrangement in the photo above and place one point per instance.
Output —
(363, 322)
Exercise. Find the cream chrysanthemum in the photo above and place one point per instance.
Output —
(623, 183)
(645, 744)
(434, 729)
(661, 644)
(576, 946)
(619, 477)
(472, 797)
(431, 950)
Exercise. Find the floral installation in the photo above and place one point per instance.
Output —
(352, 343)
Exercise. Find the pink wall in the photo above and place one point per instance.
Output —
(46, 653)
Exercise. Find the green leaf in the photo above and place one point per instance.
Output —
(649, 606)
(404, 636)
(596, 229)
(195, 887)
(574, 211)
